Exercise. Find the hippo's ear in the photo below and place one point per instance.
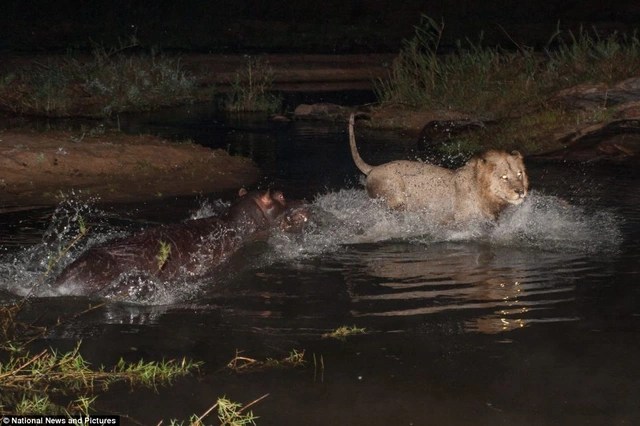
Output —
(242, 192)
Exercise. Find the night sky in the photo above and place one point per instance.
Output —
(314, 26)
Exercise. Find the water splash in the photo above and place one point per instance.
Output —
(75, 227)
(210, 209)
(550, 223)
(543, 222)
(29, 271)
(340, 219)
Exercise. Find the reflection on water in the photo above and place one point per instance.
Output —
(505, 275)
(494, 294)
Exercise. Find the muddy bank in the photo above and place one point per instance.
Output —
(40, 168)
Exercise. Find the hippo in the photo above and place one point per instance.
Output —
(195, 248)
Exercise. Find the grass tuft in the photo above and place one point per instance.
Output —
(251, 89)
(230, 413)
(164, 251)
(51, 373)
(243, 364)
(493, 82)
(50, 369)
(341, 333)
(109, 82)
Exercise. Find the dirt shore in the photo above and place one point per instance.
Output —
(41, 168)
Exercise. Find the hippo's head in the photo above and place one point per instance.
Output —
(266, 209)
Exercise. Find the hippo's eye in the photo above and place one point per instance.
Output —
(279, 196)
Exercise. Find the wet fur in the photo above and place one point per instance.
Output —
(481, 189)
(197, 248)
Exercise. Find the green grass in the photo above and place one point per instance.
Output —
(29, 381)
(533, 133)
(111, 81)
(251, 89)
(53, 370)
(164, 251)
(229, 413)
(341, 333)
(50, 382)
(243, 364)
(493, 82)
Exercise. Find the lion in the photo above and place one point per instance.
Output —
(480, 190)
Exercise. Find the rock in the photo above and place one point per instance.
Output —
(615, 142)
(590, 96)
(279, 118)
(411, 122)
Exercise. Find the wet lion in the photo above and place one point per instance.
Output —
(479, 190)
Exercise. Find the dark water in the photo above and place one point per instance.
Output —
(534, 321)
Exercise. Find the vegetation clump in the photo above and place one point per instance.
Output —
(511, 90)
(164, 251)
(109, 82)
(229, 413)
(493, 81)
(52, 370)
(341, 333)
(251, 89)
(28, 381)
(54, 382)
(243, 364)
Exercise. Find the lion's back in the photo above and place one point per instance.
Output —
(422, 185)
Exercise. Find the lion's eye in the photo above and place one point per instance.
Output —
(505, 177)
(519, 174)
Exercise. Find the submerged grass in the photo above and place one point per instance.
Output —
(111, 81)
(493, 82)
(341, 333)
(229, 413)
(243, 364)
(29, 381)
(54, 382)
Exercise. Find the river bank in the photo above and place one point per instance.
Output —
(41, 168)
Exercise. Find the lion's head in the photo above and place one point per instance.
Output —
(502, 177)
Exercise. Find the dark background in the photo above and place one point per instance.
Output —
(314, 26)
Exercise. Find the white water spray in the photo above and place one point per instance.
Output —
(542, 222)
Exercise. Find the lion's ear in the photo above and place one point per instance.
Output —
(516, 153)
(473, 162)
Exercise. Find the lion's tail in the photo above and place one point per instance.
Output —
(364, 167)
